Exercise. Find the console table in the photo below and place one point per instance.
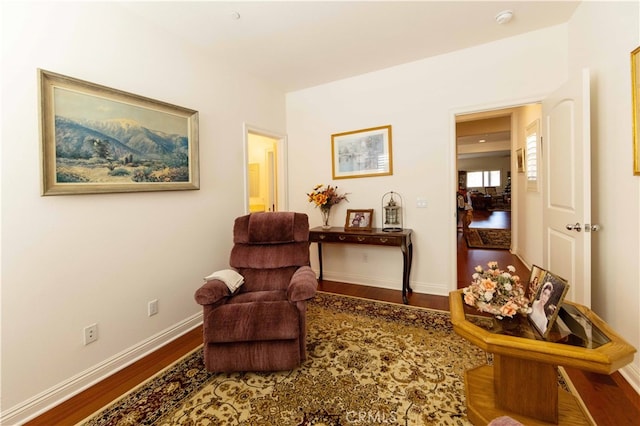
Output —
(523, 381)
(378, 237)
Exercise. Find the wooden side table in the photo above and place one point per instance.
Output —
(523, 381)
(376, 237)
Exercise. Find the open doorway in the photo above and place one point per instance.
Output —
(486, 146)
(265, 171)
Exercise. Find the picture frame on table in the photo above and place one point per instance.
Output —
(362, 153)
(359, 220)
(547, 301)
(95, 139)
(536, 276)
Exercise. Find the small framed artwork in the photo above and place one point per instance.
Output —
(635, 97)
(362, 153)
(547, 301)
(520, 160)
(359, 220)
(95, 139)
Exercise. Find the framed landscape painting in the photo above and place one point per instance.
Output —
(95, 139)
(362, 153)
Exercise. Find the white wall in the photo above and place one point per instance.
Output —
(601, 37)
(420, 101)
(527, 209)
(69, 261)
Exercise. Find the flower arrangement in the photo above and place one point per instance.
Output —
(497, 292)
(325, 197)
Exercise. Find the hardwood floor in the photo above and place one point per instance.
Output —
(610, 399)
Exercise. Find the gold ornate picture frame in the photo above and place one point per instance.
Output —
(95, 139)
(635, 97)
(362, 153)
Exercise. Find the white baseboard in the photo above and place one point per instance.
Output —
(631, 374)
(55, 395)
(424, 288)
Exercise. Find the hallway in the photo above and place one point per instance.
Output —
(469, 258)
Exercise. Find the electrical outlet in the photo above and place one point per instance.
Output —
(152, 308)
(90, 334)
(365, 258)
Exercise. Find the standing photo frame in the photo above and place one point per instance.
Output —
(359, 220)
(535, 280)
(362, 153)
(635, 97)
(95, 139)
(547, 301)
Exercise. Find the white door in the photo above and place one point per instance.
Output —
(566, 156)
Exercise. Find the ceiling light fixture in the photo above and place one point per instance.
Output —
(504, 17)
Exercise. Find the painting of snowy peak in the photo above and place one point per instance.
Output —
(104, 140)
(118, 150)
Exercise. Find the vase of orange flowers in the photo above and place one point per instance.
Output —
(325, 197)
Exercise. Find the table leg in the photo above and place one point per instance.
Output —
(320, 259)
(526, 387)
(407, 254)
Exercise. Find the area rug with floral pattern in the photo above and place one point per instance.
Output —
(369, 363)
(488, 238)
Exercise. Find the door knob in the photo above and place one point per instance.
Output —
(577, 227)
(593, 227)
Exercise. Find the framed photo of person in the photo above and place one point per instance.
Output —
(535, 278)
(358, 220)
(546, 304)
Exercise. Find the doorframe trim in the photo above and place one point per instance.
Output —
(281, 159)
(453, 173)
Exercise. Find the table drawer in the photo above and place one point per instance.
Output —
(382, 240)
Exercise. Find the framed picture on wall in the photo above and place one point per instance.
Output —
(95, 139)
(635, 96)
(520, 160)
(362, 153)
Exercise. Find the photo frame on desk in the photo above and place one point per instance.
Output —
(547, 301)
(359, 220)
(362, 153)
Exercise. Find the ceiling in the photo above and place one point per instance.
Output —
(300, 44)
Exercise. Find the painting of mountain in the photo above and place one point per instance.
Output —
(104, 140)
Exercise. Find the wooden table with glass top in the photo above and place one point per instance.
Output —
(522, 383)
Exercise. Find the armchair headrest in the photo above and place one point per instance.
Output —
(271, 228)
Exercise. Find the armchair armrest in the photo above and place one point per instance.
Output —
(303, 285)
(211, 292)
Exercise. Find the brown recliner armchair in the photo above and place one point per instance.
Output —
(261, 326)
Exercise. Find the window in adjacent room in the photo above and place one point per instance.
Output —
(532, 136)
(482, 178)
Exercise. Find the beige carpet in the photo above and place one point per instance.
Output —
(370, 363)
